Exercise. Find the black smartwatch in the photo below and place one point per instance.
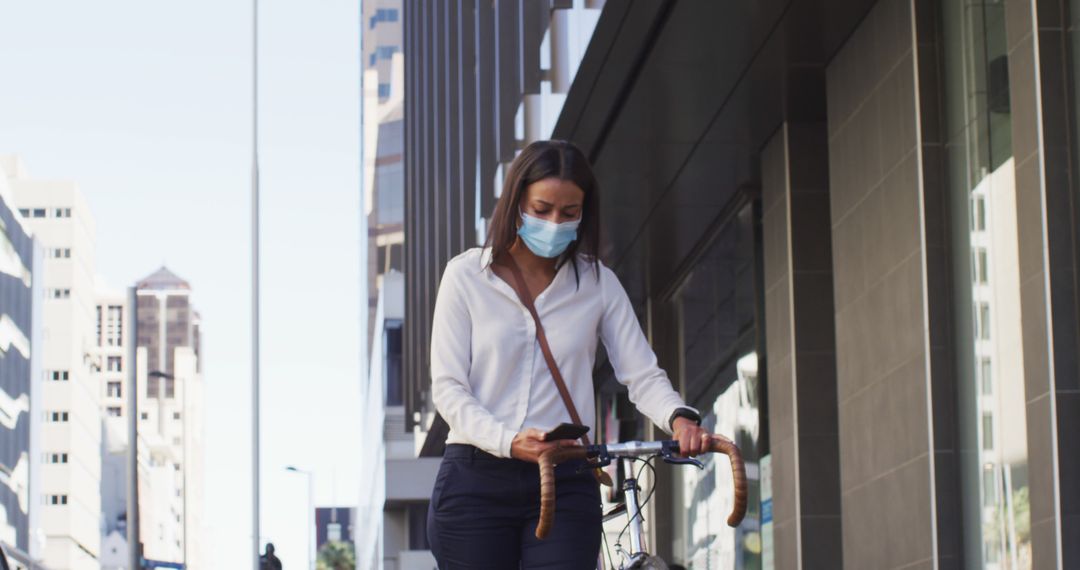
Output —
(683, 413)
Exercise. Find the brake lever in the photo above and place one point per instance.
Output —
(675, 460)
(597, 462)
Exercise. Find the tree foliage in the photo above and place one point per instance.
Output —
(336, 555)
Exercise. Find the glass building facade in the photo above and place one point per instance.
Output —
(849, 230)
(21, 380)
(989, 355)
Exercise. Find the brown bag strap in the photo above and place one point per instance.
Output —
(522, 290)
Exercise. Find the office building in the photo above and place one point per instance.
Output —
(169, 407)
(70, 433)
(170, 396)
(21, 377)
(383, 183)
(849, 229)
(394, 492)
(381, 38)
(160, 484)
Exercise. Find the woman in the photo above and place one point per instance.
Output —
(491, 383)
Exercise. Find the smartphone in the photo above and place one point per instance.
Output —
(566, 431)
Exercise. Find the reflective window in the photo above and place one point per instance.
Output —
(706, 494)
(717, 314)
(983, 226)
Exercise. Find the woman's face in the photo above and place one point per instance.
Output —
(554, 200)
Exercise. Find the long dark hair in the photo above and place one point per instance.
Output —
(538, 161)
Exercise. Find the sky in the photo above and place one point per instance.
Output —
(147, 106)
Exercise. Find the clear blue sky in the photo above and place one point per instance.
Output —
(147, 106)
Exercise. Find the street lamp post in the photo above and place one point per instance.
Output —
(311, 512)
(255, 479)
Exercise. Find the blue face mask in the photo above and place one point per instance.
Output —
(547, 239)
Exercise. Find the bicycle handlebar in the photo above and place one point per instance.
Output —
(567, 452)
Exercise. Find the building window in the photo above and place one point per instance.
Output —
(392, 380)
(383, 15)
(114, 390)
(987, 376)
(58, 375)
(144, 416)
(980, 270)
(983, 321)
(59, 252)
(114, 364)
(385, 52)
(24, 212)
(417, 523)
(56, 458)
(384, 90)
(114, 326)
(978, 213)
(39, 212)
(60, 293)
(714, 317)
(56, 499)
(176, 415)
(114, 411)
(56, 417)
(982, 208)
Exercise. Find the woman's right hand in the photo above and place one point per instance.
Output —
(527, 445)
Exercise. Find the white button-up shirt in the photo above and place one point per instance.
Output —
(489, 379)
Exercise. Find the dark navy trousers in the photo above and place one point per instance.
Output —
(484, 510)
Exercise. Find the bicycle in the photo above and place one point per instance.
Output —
(628, 452)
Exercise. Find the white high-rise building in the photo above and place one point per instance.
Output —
(21, 379)
(69, 496)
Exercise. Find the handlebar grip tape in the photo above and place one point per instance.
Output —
(556, 455)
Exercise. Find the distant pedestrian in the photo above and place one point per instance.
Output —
(268, 561)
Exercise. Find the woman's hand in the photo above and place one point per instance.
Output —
(693, 439)
(527, 445)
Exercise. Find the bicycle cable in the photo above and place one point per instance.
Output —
(607, 548)
(652, 476)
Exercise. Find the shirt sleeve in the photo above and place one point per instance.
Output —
(632, 358)
(451, 361)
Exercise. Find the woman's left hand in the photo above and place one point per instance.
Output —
(693, 439)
